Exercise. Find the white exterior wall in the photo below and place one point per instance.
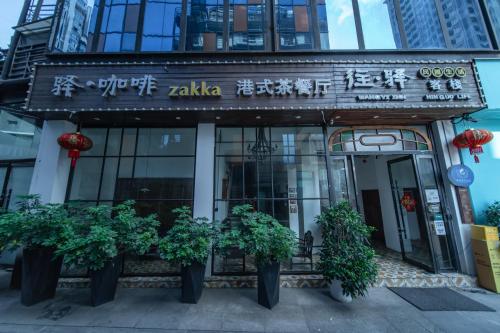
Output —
(204, 176)
(50, 176)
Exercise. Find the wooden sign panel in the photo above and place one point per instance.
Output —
(273, 85)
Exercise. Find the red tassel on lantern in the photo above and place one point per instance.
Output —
(473, 139)
(75, 143)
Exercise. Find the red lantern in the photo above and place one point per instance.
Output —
(408, 202)
(75, 143)
(473, 139)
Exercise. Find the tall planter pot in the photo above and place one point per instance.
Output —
(192, 282)
(40, 273)
(103, 282)
(268, 284)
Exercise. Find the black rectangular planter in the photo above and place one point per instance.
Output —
(103, 282)
(40, 273)
(192, 282)
(268, 284)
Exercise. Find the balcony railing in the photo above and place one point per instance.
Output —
(39, 11)
(24, 59)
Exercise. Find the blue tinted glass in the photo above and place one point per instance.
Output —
(151, 43)
(285, 2)
(93, 19)
(153, 19)
(116, 16)
(379, 22)
(337, 26)
(421, 24)
(494, 10)
(128, 42)
(465, 24)
(105, 17)
(112, 43)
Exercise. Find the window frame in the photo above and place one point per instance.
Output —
(271, 36)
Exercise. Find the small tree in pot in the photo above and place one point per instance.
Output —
(262, 236)
(346, 260)
(98, 240)
(188, 244)
(39, 229)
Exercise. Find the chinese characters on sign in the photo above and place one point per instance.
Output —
(282, 87)
(440, 79)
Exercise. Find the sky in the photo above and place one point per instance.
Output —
(9, 14)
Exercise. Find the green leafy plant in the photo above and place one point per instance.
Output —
(257, 234)
(101, 233)
(189, 239)
(493, 214)
(34, 225)
(346, 254)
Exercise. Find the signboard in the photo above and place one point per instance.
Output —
(243, 85)
(460, 175)
(432, 195)
(439, 228)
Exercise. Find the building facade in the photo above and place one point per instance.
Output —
(289, 105)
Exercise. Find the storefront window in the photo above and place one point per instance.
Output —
(153, 166)
(336, 24)
(19, 136)
(293, 22)
(465, 24)
(288, 180)
(421, 24)
(380, 25)
(161, 31)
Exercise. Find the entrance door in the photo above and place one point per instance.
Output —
(412, 223)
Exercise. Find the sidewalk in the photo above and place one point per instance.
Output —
(236, 310)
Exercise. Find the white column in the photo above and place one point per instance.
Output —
(50, 176)
(204, 177)
(449, 155)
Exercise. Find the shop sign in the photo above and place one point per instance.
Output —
(439, 227)
(460, 175)
(283, 85)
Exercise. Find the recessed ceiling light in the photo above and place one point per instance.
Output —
(137, 118)
(298, 117)
(178, 118)
(258, 117)
(337, 117)
(376, 117)
(218, 118)
(414, 116)
(96, 118)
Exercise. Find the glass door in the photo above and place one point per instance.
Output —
(15, 180)
(342, 174)
(412, 222)
(435, 211)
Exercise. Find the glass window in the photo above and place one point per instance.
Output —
(205, 25)
(465, 24)
(380, 24)
(494, 11)
(421, 24)
(280, 171)
(20, 136)
(337, 29)
(293, 21)
(161, 29)
(119, 25)
(155, 168)
(77, 24)
(247, 24)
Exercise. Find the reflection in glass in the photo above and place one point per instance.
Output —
(294, 24)
(19, 136)
(339, 179)
(119, 26)
(85, 185)
(205, 25)
(465, 24)
(336, 24)
(494, 10)
(247, 24)
(166, 141)
(379, 22)
(77, 19)
(161, 29)
(421, 24)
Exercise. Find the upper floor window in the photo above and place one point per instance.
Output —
(270, 25)
(493, 7)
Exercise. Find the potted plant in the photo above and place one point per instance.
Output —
(260, 235)
(99, 239)
(38, 229)
(188, 243)
(346, 259)
(493, 214)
